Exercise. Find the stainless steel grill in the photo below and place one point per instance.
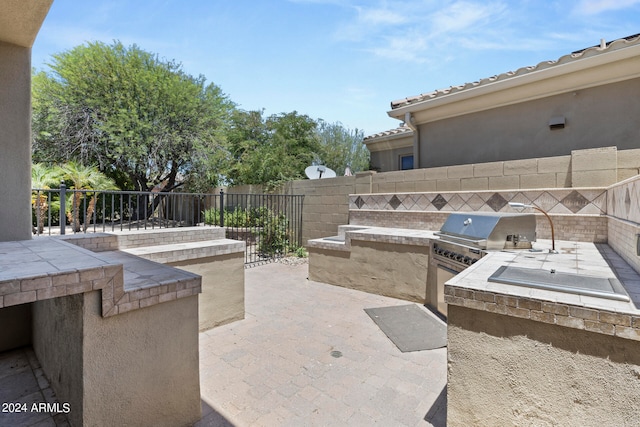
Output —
(490, 231)
(466, 237)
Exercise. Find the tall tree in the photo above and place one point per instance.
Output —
(341, 147)
(141, 119)
(272, 150)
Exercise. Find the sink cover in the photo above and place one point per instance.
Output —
(601, 287)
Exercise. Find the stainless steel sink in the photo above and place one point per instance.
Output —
(601, 287)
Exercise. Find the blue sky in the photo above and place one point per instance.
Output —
(340, 60)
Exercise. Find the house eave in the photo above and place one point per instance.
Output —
(614, 66)
(390, 142)
(21, 20)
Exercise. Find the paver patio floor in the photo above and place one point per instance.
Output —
(307, 354)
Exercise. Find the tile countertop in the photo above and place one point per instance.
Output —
(44, 268)
(472, 289)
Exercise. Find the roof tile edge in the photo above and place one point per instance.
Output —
(584, 53)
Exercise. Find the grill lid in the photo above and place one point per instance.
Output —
(493, 231)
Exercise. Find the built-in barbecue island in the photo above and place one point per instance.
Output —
(542, 335)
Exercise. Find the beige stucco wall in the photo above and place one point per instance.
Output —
(398, 271)
(595, 117)
(222, 297)
(15, 142)
(511, 371)
(136, 368)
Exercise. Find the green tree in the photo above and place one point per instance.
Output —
(141, 119)
(270, 151)
(42, 177)
(341, 147)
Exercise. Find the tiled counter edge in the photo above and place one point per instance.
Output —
(109, 278)
(589, 319)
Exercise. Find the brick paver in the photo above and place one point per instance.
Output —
(308, 354)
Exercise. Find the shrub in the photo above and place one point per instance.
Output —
(274, 235)
(212, 216)
(273, 229)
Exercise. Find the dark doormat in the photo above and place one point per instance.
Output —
(410, 327)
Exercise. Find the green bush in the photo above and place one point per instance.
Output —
(212, 216)
(274, 235)
(273, 229)
(301, 252)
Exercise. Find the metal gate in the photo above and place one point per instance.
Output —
(269, 224)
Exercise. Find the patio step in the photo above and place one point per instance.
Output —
(187, 251)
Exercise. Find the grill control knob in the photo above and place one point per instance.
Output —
(467, 260)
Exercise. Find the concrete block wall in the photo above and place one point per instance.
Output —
(628, 164)
(548, 172)
(597, 166)
(326, 204)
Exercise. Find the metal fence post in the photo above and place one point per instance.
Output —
(63, 208)
(221, 208)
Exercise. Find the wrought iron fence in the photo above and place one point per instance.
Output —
(271, 225)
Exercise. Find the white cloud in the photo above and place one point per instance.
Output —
(464, 15)
(593, 7)
(381, 16)
(414, 31)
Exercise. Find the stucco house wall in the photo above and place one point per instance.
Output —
(591, 92)
(595, 117)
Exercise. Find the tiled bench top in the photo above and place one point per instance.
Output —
(45, 268)
(401, 236)
(188, 251)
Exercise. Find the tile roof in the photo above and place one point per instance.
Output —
(402, 129)
(574, 56)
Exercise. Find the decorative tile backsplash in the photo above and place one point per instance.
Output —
(554, 201)
(624, 200)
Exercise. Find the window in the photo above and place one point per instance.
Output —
(406, 162)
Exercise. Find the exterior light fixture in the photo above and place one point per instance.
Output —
(517, 205)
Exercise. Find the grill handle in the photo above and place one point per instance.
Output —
(479, 243)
